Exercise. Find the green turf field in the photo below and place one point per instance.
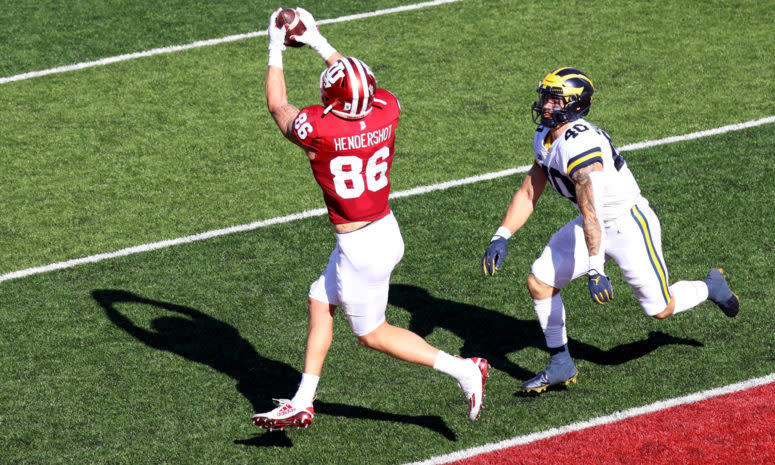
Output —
(162, 357)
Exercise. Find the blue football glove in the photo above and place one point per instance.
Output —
(494, 256)
(600, 287)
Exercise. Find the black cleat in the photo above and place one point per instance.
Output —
(720, 293)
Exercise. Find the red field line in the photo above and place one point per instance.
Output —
(736, 428)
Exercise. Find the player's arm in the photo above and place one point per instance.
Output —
(588, 194)
(524, 201)
(519, 210)
(588, 182)
(282, 112)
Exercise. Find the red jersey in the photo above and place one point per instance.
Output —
(353, 157)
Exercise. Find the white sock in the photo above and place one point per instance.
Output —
(551, 317)
(688, 294)
(455, 367)
(306, 392)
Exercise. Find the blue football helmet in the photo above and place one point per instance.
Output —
(570, 85)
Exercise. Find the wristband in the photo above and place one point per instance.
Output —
(275, 58)
(324, 49)
(597, 264)
(503, 232)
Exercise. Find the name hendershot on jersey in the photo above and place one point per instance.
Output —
(366, 139)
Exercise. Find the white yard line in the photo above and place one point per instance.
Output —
(204, 43)
(614, 417)
(322, 211)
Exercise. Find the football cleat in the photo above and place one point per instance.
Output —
(720, 293)
(284, 416)
(561, 370)
(473, 387)
(542, 381)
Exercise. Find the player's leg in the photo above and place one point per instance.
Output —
(562, 260)
(298, 412)
(688, 294)
(319, 336)
(400, 343)
(636, 245)
(364, 279)
(321, 303)
(684, 295)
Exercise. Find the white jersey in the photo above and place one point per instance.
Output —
(580, 145)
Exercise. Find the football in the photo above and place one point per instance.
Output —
(289, 17)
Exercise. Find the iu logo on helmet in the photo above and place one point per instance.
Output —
(334, 73)
(347, 88)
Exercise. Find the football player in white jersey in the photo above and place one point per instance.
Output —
(349, 142)
(581, 163)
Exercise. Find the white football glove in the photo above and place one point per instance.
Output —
(312, 35)
(276, 41)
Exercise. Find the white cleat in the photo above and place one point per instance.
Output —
(473, 388)
(284, 416)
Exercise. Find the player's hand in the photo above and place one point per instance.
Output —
(494, 256)
(312, 35)
(600, 287)
(276, 34)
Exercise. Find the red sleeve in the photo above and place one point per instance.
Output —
(306, 127)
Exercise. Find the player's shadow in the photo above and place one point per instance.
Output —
(199, 337)
(495, 335)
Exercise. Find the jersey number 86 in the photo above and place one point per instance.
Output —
(373, 178)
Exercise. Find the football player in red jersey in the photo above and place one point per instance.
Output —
(350, 141)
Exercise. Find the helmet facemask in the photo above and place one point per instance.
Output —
(550, 117)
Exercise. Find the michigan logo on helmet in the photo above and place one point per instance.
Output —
(347, 88)
(569, 85)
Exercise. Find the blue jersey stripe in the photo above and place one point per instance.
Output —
(584, 159)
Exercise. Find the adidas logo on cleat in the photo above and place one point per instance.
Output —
(284, 416)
